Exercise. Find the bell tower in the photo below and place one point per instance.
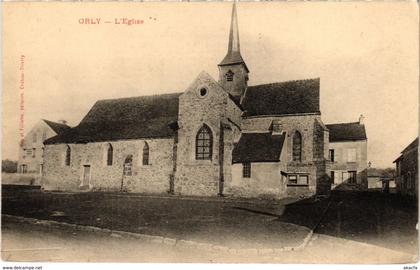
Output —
(233, 72)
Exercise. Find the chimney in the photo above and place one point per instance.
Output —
(361, 119)
(62, 121)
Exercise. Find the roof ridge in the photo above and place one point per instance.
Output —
(262, 132)
(145, 96)
(410, 145)
(57, 123)
(345, 123)
(289, 81)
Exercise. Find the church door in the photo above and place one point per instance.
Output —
(127, 169)
(86, 175)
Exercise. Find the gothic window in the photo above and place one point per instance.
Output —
(68, 156)
(110, 155)
(297, 146)
(229, 76)
(128, 164)
(146, 154)
(203, 143)
(246, 170)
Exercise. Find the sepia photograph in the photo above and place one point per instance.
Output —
(210, 132)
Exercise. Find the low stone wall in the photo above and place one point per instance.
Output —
(31, 179)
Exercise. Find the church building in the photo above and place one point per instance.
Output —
(216, 138)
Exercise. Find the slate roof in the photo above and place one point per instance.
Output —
(347, 132)
(258, 147)
(291, 97)
(150, 116)
(233, 58)
(398, 158)
(123, 119)
(412, 145)
(57, 127)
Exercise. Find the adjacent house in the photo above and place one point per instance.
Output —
(374, 181)
(215, 138)
(381, 179)
(31, 149)
(407, 170)
(348, 155)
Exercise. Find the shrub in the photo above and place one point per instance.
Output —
(9, 166)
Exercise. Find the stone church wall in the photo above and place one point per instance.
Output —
(265, 181)
(321, 144)
(238, 84)
(302, 123)
(152, 178)
(201, 177)
(231, 135)
(313, 150)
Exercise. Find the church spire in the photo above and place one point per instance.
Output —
(233, 55)
(234, 32)
(233, 72)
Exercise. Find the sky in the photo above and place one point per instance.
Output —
(365, 54)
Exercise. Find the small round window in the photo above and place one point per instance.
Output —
(203, 92)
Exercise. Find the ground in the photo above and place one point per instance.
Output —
(35, 243)
(237, 224)
(385, 220)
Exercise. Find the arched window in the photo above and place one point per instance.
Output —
(128, 164)
(110, 155)
(297, 146)
(146, 154)
(34, 138)
(203, 143)
(68, 156)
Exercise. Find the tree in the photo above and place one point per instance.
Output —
(381, 172)
(389, 172)
(9, 166)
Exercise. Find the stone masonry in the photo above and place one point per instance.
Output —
(152, 178)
